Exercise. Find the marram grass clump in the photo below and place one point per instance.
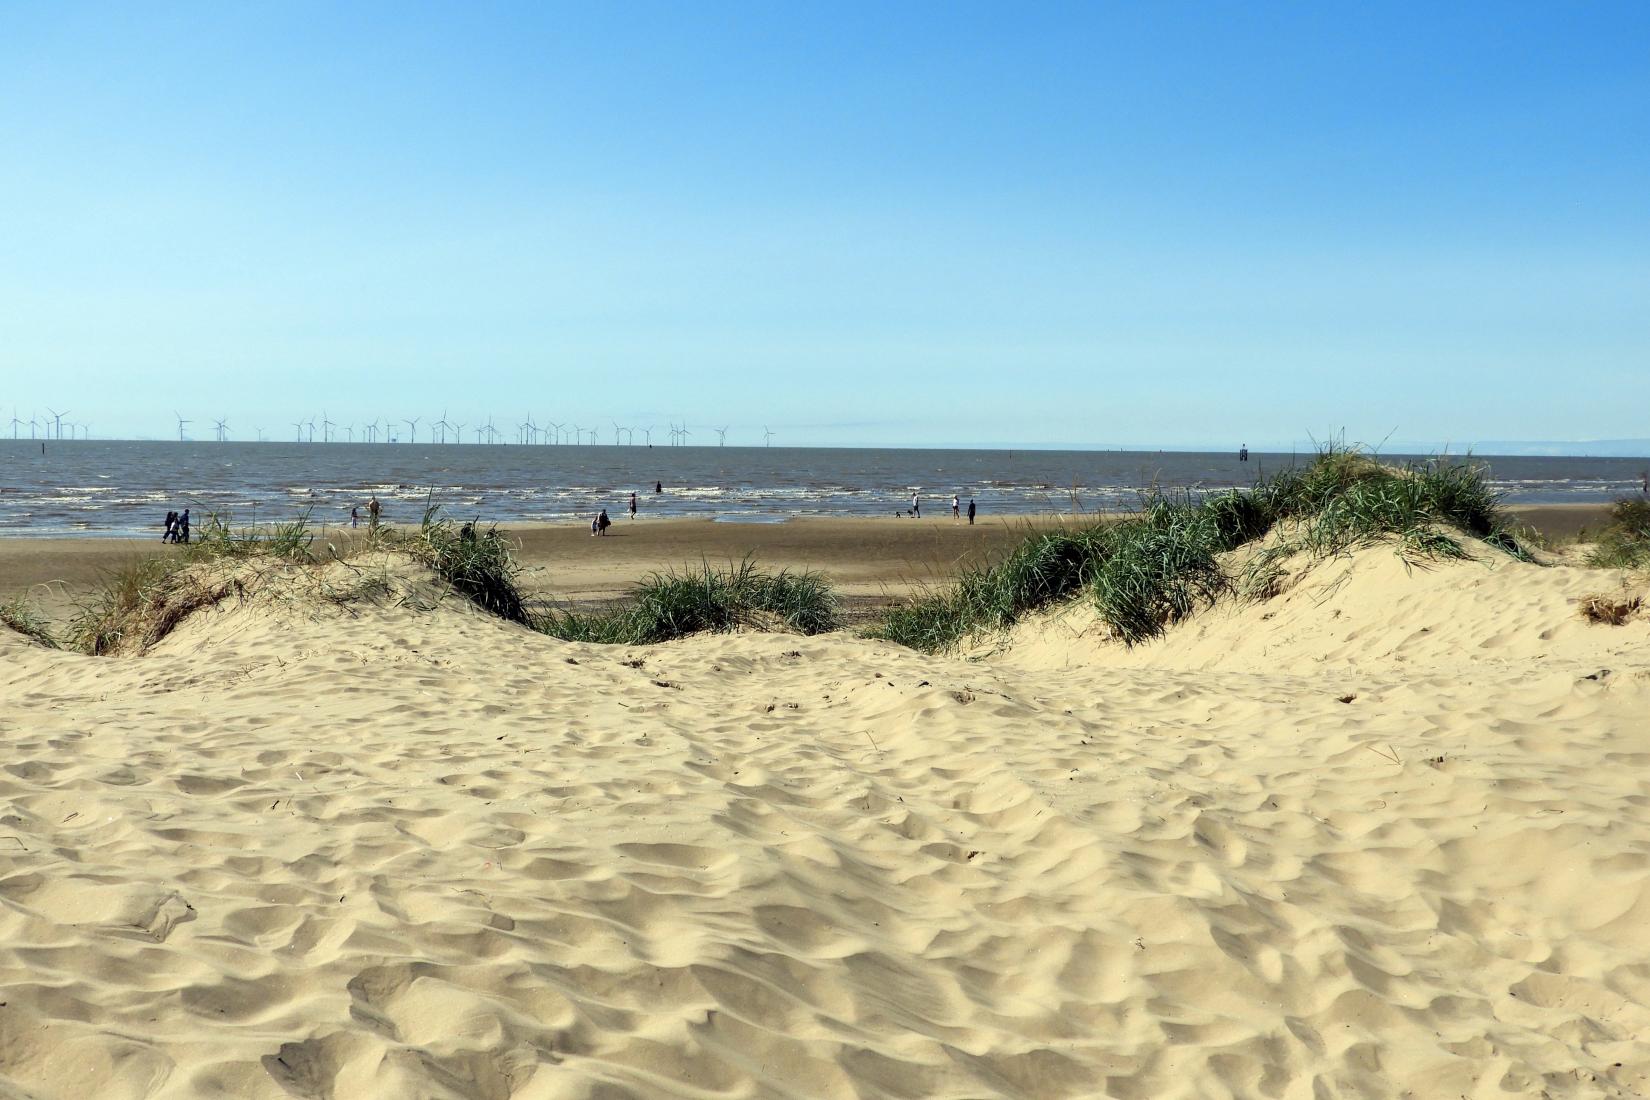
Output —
(1625, 542)
(20, 615)
(1347, 499)
(143, 602)
(1151, 569)
(478, 564)
(703, 599)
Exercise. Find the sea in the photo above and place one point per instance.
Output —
(124, 488)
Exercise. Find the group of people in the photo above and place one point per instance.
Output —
(600, 523)
(177, 527)
(373, 509)
(956, 508)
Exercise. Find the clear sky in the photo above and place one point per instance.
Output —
(888, 223)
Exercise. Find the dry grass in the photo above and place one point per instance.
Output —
(1610, 610)
(21, 616)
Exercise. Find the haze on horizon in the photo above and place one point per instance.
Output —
(928, 224)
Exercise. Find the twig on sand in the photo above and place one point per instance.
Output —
(873, 741)
(1390, 754)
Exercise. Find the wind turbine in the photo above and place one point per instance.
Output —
(647, 432)
(685, 433)
(721, 436)
(260, 432)
(182, 424)
(326, 428)
(767, 436)
(298, 426)
(412, 428)
(458, 432)
(220, 427)
(59, 417)
(349, 432)
(15, 423)
(34, 425)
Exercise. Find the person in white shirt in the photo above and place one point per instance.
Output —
(916, 505)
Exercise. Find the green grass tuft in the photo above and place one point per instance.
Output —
(1160, 565)
(20, 615)
(675, 604)
(217, 538)
(478, 564)
(1625, 542)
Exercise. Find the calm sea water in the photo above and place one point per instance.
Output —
(124, 488)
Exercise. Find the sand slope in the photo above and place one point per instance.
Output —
(393, 852)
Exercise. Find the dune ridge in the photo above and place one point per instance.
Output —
(1385, 834)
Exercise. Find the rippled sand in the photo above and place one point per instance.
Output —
(1386, 834)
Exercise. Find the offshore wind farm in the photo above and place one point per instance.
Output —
(50, 424)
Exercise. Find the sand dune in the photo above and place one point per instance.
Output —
(1386, 834)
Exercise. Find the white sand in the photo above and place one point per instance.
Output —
(411, 853)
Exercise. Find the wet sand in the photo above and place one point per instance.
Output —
(866, 559)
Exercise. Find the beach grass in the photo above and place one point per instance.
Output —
(219, 538)
(703, 599)
(1159, 565)
(138, 604)
(1625, 542)
(477, 564)
(22, 616)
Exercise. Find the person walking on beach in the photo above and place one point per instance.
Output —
(171, 525)
(970, 511)
(658, 486)
(956, 507)
(603, 523)
(355, 517)
(372, 511)
(1243, 453)
(916, 505)
(183, 528)
(632, 505)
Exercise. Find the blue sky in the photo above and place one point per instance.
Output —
(894, 224)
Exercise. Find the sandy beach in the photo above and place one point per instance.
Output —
(866, 559)
(1279, 730)
(1383, 834)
